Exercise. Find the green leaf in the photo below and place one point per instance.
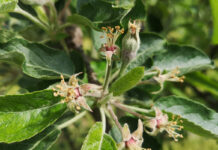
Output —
(81, 20)
(151, 44)
(116, 134)
(23, 116)
(197, 118)
(214, 8)
(94, 138)
(108, 143)
(37, 60)
(99, 11)
(6, 35)
(203, 83)
(7, 5)
(41, 141)
(136, 13)
(186, 58)
(126, 4)
(127, 81)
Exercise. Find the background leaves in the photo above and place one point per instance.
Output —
(37, 60)
(7, 5)
(186, 58)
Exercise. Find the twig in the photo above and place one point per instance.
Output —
(90, 73)
(124, 108)
(114, 117)
(71, 45)
(67, 4)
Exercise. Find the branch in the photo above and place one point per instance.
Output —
(74, 42)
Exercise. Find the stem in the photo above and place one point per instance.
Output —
(103, 119)
(107, 75)
(64, 45)
(31, 17)
(69, 122)
(122, 69)
(105, 99)
(148, 73)
(54, 17)
(114, 117)
(114, 76)
(135, 108)
(126, 109)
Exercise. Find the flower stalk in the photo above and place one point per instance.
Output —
(114, 117)
(107, 76)
(126, 109)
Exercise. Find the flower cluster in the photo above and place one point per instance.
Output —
(110, 48)
(132, 141)
(161, 123)
(73, 93)
(171, 76)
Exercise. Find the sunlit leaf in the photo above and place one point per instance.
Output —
(108, 143)
(94, 138)
(23, 116)
(128, 81)
(41, 141)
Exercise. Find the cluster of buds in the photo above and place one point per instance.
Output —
(130, 44)
(74, 94)
(161, 123)
(110, 48)
(132, 141)
(171, 76)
